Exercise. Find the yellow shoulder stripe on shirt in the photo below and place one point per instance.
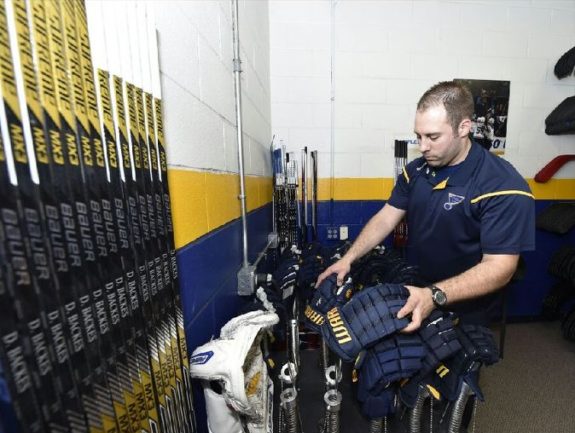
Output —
(506, 192)
(405, 174)
(442, 184)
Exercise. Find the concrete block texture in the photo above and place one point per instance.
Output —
(551, 46)
(359, 141)
(314, 138)
(292, 115)
(375, 163)
(361, 90)
(196, 61)
(216, 82)
(178, 43)
(300, 89)
(563, 21)
(390, 117)
(194, 131)
(347, 164)
(230, 147)
(382, 55)
(288, 11)
(205, 16)
(300, 63)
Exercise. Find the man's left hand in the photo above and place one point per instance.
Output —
(419, 305)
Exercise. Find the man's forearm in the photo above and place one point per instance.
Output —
(376, 230)
(492, 273)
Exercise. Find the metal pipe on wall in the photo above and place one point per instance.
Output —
(304, 191)
(238, 104)
(333, 4)
(314, 194)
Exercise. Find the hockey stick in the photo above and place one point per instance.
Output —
(66, 155)
(181, 360)
(15, 356)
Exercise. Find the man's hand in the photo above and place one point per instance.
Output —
(419, 305)
(341, 268)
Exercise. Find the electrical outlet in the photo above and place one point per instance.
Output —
(332, 233)
(343, 233)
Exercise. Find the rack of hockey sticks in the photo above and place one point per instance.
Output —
(91, 327)
(286, 212)
(309, 195)
(313, 157)
(400, 161)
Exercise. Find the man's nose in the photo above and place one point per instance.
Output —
(423, 145)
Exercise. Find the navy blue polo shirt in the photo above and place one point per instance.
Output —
(457, 214)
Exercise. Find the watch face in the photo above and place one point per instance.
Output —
(439, 297)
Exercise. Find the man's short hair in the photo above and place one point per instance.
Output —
(455, 97)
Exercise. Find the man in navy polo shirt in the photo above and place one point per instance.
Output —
(469, 214)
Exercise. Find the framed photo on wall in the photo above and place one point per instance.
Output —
(489, 122)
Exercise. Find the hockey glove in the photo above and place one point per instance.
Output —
(377, 405)
(438, 334)
(309, 270)
(325, 297)
(367, 318)
(395, 357)
(477, 348)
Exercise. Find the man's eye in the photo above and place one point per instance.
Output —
(433, 137)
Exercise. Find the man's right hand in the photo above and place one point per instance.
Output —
(341, 268)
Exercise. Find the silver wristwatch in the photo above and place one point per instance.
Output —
(439, 297)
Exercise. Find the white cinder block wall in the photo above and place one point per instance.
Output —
(196, 52)
(387, 53)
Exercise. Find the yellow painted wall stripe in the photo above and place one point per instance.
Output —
(189, 208)
(380, 189)
(498, 193)
(554, 189)
(203, 201)
(369, 188)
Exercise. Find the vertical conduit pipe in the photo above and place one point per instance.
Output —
(332, 112)
(238, 103)
(304, 191)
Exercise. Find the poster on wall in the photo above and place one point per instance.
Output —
(489, 122)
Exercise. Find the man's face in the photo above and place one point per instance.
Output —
(438, 143)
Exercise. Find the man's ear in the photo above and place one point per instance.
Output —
(464, 128)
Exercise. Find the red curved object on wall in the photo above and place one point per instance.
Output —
(552, 167)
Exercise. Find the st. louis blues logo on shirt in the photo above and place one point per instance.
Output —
(452, 200)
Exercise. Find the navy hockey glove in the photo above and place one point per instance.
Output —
(377, 405)
(334, 253)
(285, 268)
(285, 276)
(310, 269)
(367, 318)
(440, 340)
(483, 348)
(329, 294)
(311, 249)
(438, 334)
(477, 348)
(385, 266)
(325, 297)
(408, 391)
(395, 357)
